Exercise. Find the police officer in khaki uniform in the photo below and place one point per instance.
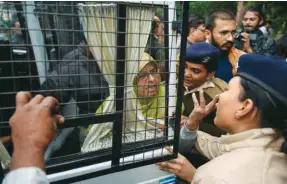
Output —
(200, 65)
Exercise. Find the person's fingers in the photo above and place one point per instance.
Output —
(211, 106)
(178, 160)
(175, 161)
(161, 164)
(202, 100)
(172, 167)
(51, 103)
(245, 35)
(158, 164)
(243, 39)
(195, 102)
(22, 98)
(59, 119)
(56, 108)
(171, 170)
(37, 99)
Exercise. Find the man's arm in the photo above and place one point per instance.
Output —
(264, 46)
(33, 127)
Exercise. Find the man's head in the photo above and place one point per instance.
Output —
(157, 26)
(268, 24)
(196, 26)
(200, 64)
(252, 19)
(221, 29)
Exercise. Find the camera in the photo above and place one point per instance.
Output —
(238, 35)
(252, 36)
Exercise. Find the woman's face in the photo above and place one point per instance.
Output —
(195, 75)
(228, 105)
(148, 81)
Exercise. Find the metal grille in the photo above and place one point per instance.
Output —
(49, 48)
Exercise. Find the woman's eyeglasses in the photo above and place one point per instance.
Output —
(145, 75)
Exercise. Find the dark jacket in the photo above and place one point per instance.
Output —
(262, 45)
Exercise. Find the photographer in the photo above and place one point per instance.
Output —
(251, 38)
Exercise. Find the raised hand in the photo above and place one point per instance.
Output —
(200, 111)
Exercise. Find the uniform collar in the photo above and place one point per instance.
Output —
(254, 138)
(207, 84)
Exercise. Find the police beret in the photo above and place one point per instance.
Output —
(270, 73)
(202, 53)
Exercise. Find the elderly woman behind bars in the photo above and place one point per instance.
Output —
(150, 93)
(150, 103)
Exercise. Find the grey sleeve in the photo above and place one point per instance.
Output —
(186, 139)
(59, 82)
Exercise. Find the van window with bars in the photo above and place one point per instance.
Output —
(111, 65)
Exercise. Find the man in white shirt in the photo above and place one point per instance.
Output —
(33, 125)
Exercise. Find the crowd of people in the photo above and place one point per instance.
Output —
(233, 121)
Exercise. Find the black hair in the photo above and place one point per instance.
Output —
(218, 14)
(255, 10)
(269, 22)
(154, 24)
(195, 21)
(271, 110)
(281, 47)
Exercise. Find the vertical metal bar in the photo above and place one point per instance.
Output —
(45, 36)
(54, 34)
(185, 7)
(1, 173)
(117, 126)
(166, 62)
(19, 10)
(36, 40)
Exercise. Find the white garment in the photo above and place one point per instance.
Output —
(263, 29)
(4, 157)
(27, 175)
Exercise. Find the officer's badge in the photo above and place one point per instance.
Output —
(205, 60)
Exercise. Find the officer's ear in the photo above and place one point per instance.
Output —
(210, 75)
(207, 35)
(260, 22)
